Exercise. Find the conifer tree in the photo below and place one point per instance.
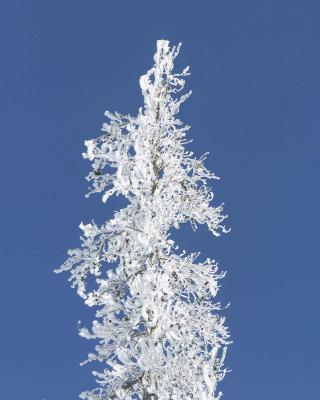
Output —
(158, 330)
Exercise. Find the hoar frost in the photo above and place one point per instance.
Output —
(158, 330)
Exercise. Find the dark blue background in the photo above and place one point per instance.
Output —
(255, 77)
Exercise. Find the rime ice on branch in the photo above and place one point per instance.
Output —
(158, 331)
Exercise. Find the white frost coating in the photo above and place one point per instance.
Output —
(158, 331)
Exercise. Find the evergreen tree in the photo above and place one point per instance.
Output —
(158, 329)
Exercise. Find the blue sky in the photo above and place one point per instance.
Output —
(255, 106)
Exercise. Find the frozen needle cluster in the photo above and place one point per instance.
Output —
(157, 327)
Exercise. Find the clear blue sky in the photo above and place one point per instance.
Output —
(256, 82)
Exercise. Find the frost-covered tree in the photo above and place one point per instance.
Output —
(158, 332)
